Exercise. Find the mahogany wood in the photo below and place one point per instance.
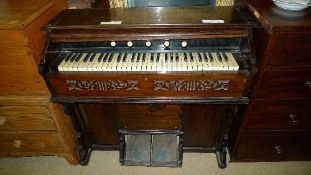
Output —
(95, 98)
(277, 116)
(292, 50)
(149, 116)
(274, 147)
(202, 124)
(285, 85)
(276, 125)
(146, 86)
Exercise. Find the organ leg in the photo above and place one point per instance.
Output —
(221, 154)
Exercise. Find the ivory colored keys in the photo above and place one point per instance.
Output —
(149, 62)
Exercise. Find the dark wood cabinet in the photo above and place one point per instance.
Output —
(202, 125)
(277, 122)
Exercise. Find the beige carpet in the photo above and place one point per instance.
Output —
(106, 163)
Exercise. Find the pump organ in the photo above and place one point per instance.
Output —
(151, 73)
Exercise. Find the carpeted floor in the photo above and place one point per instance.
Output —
(106, 163)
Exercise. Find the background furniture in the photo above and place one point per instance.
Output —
(29, 123)
(169, 3)
(277, 123)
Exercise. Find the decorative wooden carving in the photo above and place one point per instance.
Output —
(103, 85)
(191, 85)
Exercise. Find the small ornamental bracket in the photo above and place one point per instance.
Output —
(103, 85)
(191, 85)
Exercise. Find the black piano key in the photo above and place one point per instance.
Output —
(185, 57)
(152, 58)
(225, 57)
(205, 57)
(158, 57)
(110, 57)
(144, 57)
(79, 57)
(172, 57)
(124, 57)
(72, 58)
(138, 57)
(177, 57)
(219, 57)
(200, 57)
(210, 57)
(191, 57)
(119, 57)
(133, 57)
(166, 57)
(106, 57)
(92, 57)
(100, 57)
(67, 57)
(87, 57)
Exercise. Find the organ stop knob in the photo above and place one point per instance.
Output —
(113, 44)
(184, 44)
(148, 43)
(166, 43)
(130, 44)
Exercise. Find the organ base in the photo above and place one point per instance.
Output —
(199, 128)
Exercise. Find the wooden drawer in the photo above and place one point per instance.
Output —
(285, 85)
(149, 116)
(274, 147)
(278, 116)
(25, 118)
(291, 50)
(43, 143)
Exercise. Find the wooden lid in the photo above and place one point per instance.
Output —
(16, 14)
(148, 17)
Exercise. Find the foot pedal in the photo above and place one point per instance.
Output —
(151, 148)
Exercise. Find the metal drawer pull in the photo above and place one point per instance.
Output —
(278, 149)
(2, 120)
(17, 143)
(292, 119)
(308, 84)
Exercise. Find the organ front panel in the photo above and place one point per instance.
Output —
(168, 77)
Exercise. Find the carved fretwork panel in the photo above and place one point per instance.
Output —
(191, 85)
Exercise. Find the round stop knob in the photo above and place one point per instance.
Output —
(148, 43)
(130, 44)
(166, 43)
(184, 44)
(113, 44)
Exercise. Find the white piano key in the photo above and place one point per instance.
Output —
(232, 60)
(63, 62)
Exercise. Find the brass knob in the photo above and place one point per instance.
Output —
(3, 120)
(17, 143)
(292, 119)
(278, 149)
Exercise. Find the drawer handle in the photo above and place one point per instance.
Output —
(278, 149)
(17, 143)
(3, 120)
(308, 84)
(292, 119)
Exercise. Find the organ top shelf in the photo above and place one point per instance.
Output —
(156, 17)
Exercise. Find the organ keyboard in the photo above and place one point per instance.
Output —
(159, 74)
(148, 62)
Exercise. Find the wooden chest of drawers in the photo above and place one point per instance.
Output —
(29, 124)
(277, 123)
